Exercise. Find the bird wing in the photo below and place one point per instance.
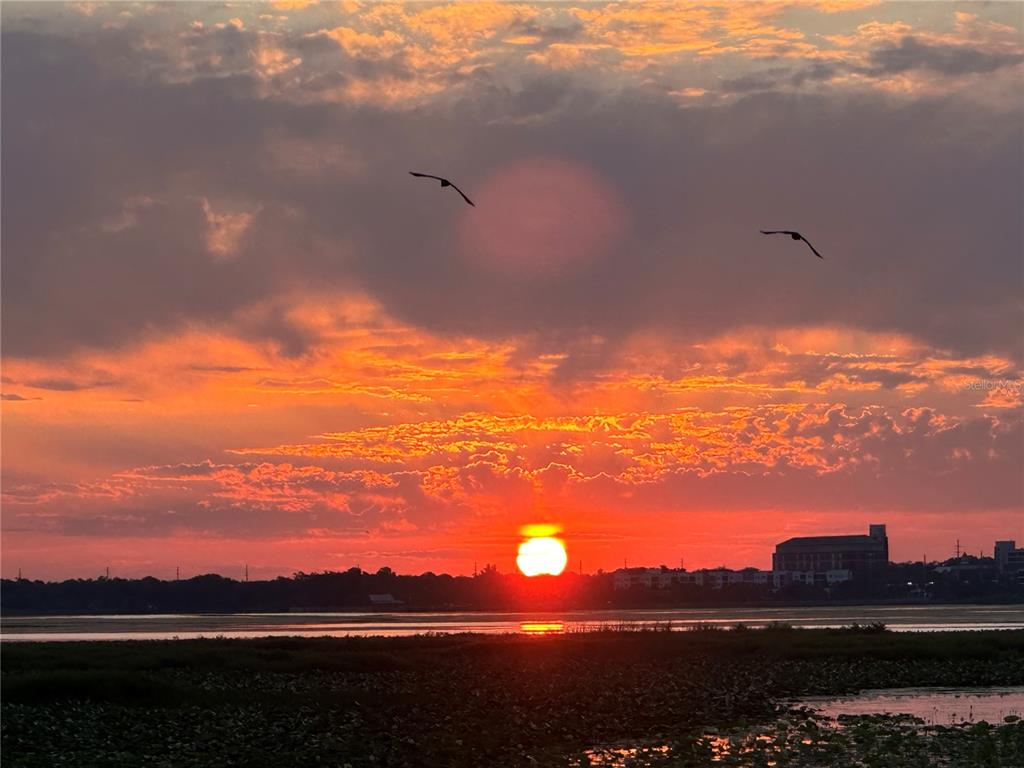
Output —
(811, 247)
(466, 198)
(426, 176)
(775, 232)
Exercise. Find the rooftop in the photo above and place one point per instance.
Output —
(830, 541)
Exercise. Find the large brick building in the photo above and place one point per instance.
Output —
(862, 555)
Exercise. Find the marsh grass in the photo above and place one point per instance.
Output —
(459, 700)
(112, 686)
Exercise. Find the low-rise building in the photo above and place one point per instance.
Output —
(383, 602)
(719, 578)
(648, 578)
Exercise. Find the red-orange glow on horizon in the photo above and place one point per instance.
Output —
(348, 454)
(538, 530)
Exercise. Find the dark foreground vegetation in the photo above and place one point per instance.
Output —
(701, 697)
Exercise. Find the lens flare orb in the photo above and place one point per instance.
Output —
(542, 555)
(541, 217)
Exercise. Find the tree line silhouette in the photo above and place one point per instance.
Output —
(486, 590)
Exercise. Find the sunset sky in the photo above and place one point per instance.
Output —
(235, 330)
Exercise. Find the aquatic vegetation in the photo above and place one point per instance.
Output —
(639, 698)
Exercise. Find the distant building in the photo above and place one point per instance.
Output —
(1003, 552)
(1015, 564)
(717, 578)
(1009, 559)
(817, 561)
(648, 578)
(860, 555)
(384, 601)
(970, 570)
(811, 578)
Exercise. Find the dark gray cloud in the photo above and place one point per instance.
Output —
(67, 385)
(13, 396)
(817, 72)
(911, 54)
(914, 203)
(908, 55)
(220, 368)
(762, 80)
(561, 30)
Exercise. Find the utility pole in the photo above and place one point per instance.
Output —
(246, 571)
(581, 567)
(108, 572)
(19, 574)
(177, 573)
(958, 549)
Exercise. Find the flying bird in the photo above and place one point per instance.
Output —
(794, 235)
(444, 183)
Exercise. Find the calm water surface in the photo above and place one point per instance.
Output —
(936, 706)
(901, 618)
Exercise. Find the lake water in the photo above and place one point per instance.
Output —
(900, 618)
(936, 706)
(760, 745)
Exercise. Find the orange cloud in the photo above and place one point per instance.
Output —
(365, 44)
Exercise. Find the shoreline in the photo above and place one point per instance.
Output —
(368, 610)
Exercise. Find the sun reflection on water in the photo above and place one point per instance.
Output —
(542, 627)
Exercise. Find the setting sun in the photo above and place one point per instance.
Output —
(541, 555)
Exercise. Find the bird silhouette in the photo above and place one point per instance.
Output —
(794, 235)
(444, 183)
